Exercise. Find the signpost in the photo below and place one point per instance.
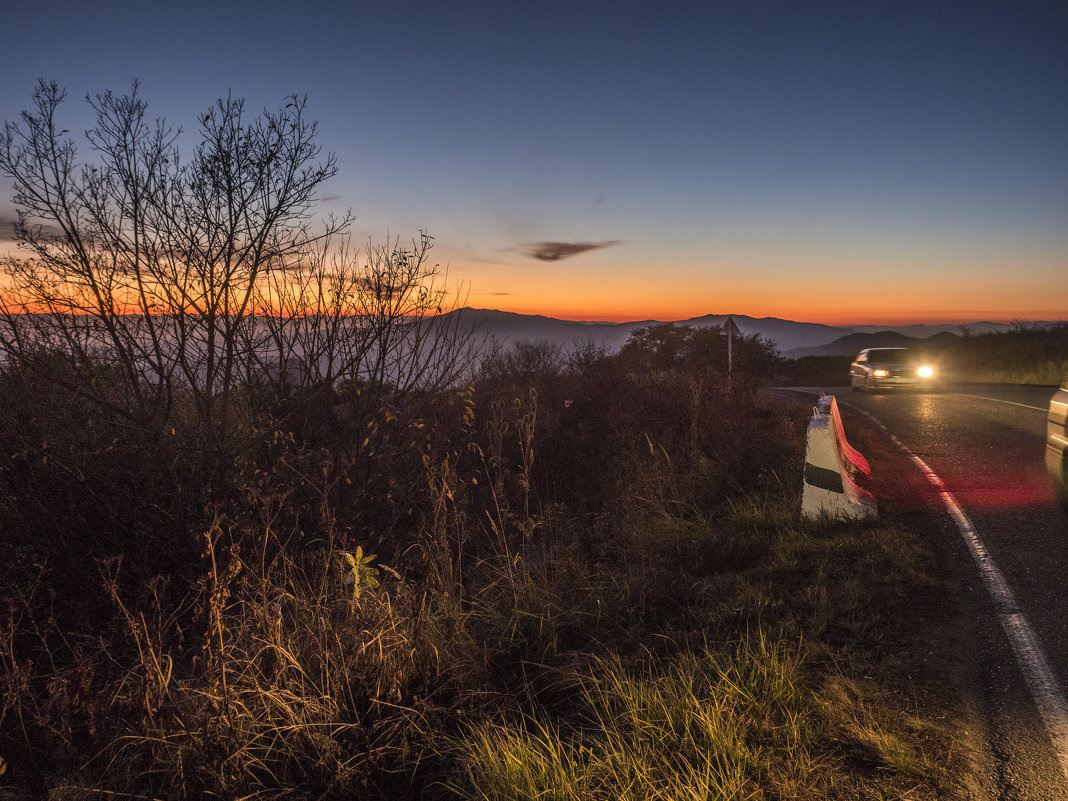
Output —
(731, 329)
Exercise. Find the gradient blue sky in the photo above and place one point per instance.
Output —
(854, 162)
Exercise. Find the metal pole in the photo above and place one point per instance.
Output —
(730, 351)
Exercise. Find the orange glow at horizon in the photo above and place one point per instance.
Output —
(842, 295)
(815, 308)
(599, 288)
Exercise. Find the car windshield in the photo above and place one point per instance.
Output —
(889, 355)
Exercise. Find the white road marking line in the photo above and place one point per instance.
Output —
(1046, 692)
(999, 400)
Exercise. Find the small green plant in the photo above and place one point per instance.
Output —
(358, 570)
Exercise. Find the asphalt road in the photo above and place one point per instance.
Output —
(986, 443)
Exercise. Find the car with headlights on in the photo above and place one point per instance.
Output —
(1057, 441)
(888, 368)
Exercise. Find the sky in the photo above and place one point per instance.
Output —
(840, 162)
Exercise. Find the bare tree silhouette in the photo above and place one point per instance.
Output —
(161, 281)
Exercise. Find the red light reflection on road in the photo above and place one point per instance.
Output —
(1001, 488)
(1006, 478)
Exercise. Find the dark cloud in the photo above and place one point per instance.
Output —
(554, 251)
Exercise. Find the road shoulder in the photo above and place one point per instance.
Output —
(960, 660)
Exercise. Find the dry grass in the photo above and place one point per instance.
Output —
(780, 680)
(678, 633)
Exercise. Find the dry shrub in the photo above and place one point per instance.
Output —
(313, 675)
(303, 680)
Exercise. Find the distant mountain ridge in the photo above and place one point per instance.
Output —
(856, 342)
(793, 339)
(925, 330)
(509, 327)
(876, 337)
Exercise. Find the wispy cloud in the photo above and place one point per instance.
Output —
(7, 228)
(554, 251)
(9, 218)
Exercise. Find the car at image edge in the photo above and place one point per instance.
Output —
(1057, 441)
(886, 368)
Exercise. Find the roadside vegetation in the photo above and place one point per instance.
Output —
(1023, 355)
(339, 552)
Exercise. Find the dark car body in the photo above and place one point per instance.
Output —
(1057, 441)
(888, 368)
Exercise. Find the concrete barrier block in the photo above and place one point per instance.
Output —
(833, 469)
